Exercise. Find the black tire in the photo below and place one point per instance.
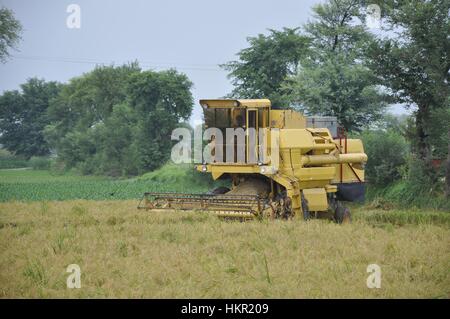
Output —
(218, 191)
(288, 208)
(305, 209)
(342, 214)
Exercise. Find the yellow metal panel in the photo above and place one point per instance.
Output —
(315, 173)
(294, 120)
(313, 184)
(287, 119)
(215, 169)
(321, 132)
(353, 145)
(254, 103)
(277, 118)
(216, 175)
(317, 199)
(349, 175)
(331, 188)
(350, 172)
(222, 103)
(296, 138)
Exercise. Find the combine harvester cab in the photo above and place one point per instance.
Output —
(280, 165)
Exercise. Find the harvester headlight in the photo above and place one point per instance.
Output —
(263, 170)
(204, 168)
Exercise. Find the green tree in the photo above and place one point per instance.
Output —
(88, 100)
(336, 28)
(162, 100)
(438, 131)
(118, 120)
(81, 109)
(265, 64)
(10, 30)
(23, 116)
(332, 80)
(337, 87)
(115, 155)
(414, 63)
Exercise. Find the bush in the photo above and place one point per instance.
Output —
(43, 163)
(386, 151)
(404, 194)
(183, 175)
(8, 160)
(418, 189)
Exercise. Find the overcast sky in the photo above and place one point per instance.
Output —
(192, 36)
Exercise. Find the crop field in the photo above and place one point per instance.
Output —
(124, 252)
(31, 185)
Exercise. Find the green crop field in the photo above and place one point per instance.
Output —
(32, 185)
(49, 221)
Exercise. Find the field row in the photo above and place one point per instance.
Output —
(29, 185)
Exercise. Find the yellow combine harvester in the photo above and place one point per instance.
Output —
(287, 169)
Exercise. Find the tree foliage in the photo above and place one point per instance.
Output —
(265, 64)
(414, 62)
(318, 71)
(333, 80)
(23, 116)
(336, 29)
(118, 120)
(10, 30)
(337, 87)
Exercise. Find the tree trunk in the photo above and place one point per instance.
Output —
(423, 147)
(447, 173)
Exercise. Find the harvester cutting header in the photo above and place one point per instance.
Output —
(280, 167)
